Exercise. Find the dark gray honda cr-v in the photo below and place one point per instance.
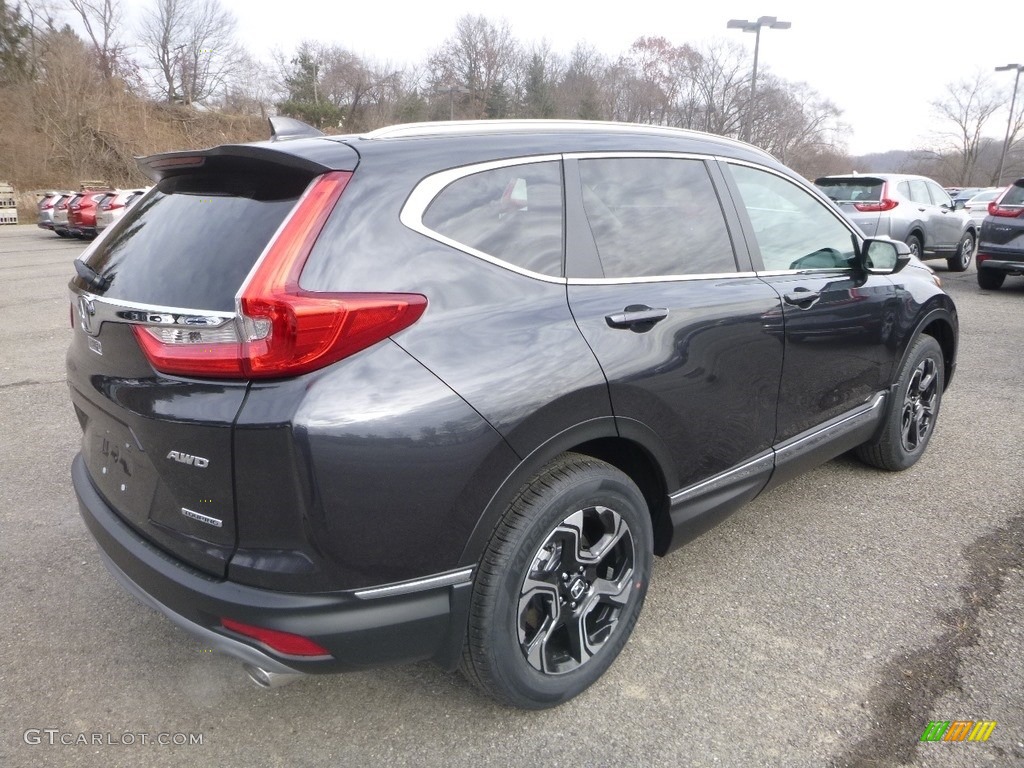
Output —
(443, 391)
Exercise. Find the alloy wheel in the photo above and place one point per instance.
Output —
(919, 405)
(575, 590)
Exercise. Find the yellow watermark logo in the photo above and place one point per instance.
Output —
(958, 730)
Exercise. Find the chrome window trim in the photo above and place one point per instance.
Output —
(657, 278)
(790, 272)
(449, 579)
(119, 311)
(427, 189)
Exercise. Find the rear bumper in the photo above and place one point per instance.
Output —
(1009, 265)
(397, 623)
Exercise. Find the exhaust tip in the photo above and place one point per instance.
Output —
(266, 679)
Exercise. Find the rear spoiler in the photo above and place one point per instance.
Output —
(309, 156)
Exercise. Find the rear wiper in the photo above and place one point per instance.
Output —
(94, 279)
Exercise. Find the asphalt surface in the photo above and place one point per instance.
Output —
(826, 623)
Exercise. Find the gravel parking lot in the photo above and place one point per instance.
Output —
(824, 624)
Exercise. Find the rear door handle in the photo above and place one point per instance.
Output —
(636, 317)
(802, 297)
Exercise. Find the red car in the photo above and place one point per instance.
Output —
(82, 213)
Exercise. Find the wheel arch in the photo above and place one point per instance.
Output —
(941, 326)
(629, 446)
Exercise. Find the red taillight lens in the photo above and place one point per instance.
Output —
(1007, 212)
(283, 329)
(282, 642)
(980, 257)
(885, 204)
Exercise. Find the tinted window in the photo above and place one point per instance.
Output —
(512, 213)
(655, 216)
(793, 229)
(194, 240)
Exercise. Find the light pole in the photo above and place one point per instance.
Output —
(451, 90)
(755, 26)
(1009, 120)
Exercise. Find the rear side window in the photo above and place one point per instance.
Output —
(513, 213)
(654, 217)
(193, 241)
(919, 192)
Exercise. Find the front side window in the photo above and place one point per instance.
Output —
(939, 196)
(654, 217)
(793, 229)
(512, 213)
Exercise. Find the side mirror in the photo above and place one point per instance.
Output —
(881, 256)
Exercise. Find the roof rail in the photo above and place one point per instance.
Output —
(282, 128)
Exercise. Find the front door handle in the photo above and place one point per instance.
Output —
(637, 317)
(802, 297)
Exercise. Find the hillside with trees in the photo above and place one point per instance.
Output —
(83, 92)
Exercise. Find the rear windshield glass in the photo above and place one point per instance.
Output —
(193, 241)
(851, 190)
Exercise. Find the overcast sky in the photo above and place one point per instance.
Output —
(882, 63)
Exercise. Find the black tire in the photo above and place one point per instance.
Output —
(580, 533)
(914, 244)
(964, 254)
(913, 412)
(990, 279)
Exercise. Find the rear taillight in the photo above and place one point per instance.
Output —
(283, 330)
(1007, 211)
(282, 642)
(980, 257)
(885, 203)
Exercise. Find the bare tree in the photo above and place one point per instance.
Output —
(331, 87)
(475, 68)
(102, 19)
(579, 95)
(192, 47)
(964, 112)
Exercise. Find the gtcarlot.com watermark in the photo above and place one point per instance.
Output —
(54, 737)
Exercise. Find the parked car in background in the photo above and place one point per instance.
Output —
(977, 206)
(82, 213)
(46, 208)
(1001, 244)
(443, 391)
(61, 224)
(914, 209)
(113, 205)
(964, 194)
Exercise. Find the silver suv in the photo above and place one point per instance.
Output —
(913, 209)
